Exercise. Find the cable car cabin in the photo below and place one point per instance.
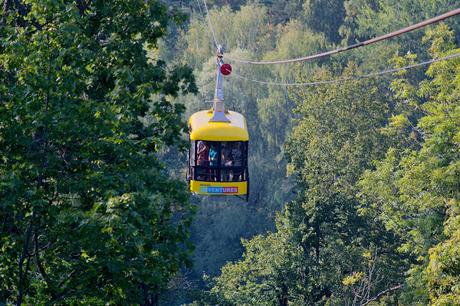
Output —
(218, 158)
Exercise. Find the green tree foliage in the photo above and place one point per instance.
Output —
(347, 237)
(265, 275)
(415, 193)
(234, 4)
(321, 242)
(325, 17)
(354, 236)
(368, 18)
(246, 29)
(88, 215)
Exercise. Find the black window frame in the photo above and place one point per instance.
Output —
(194, 168)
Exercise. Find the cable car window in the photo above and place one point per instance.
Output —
(191, 158)
(202, 160)
(192, 153)
(219, 161)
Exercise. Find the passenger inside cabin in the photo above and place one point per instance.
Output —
(213, 161)
(237, 157)
(226, 161)
(202, 153)
(202, 160)
(213, 155)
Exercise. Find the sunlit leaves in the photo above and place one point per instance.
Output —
(415, 192)
(89, 214)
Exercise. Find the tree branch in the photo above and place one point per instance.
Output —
(25, 255)
(38, 261)
(382, 293)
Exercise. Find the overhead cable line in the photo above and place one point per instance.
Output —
(339, 50)
(367, 42)
(211, 28)
(357, 77)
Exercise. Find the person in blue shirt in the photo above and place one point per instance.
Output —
(213, 156)
(213, 161)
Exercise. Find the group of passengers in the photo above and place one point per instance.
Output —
(231, 156)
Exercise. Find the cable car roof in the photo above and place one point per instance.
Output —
(202, 129)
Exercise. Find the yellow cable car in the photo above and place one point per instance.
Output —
(218, 156)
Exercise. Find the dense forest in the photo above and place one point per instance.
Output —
(355, 185)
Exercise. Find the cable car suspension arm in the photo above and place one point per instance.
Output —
(218, 107)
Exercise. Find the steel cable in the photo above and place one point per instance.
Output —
(340, 80)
